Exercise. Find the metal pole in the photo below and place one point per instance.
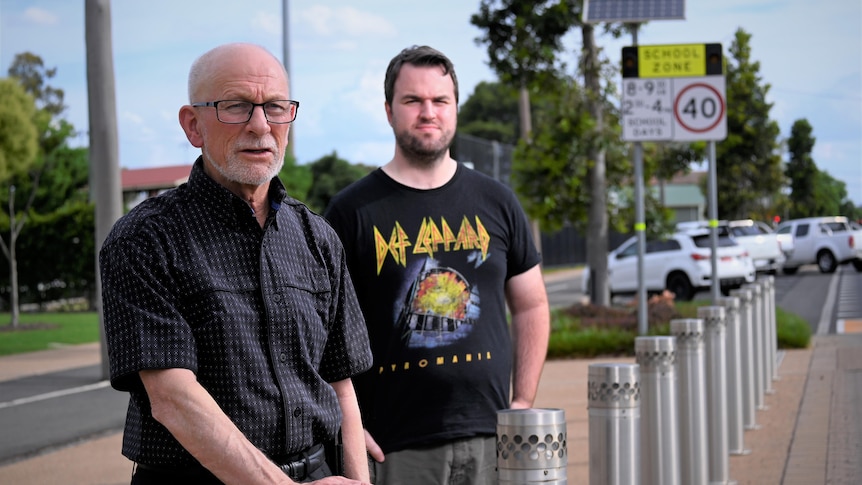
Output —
(735, 429)
(613, 400)
(759, 358)
(713, 223)
(749, 408)
(659, 445)
(495, 157)
(285, 52)
(692, 400)
(531, 446)
(773, 326)
(104, 145)
(716, 391)
(640, 219)
(767, 282)
(640, 231)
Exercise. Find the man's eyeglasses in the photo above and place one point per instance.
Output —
(235, 111)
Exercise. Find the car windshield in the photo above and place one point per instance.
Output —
(835, 226)
(752, 230)
(703, 241)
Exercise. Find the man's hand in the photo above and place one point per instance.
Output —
(373, 448)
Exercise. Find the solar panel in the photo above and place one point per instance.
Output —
(596, 11)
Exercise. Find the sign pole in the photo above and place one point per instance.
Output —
(640, 220)
(713, 223)
(640, 231)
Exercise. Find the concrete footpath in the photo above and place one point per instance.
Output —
(809, 434)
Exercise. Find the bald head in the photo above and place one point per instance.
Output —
(241, 56)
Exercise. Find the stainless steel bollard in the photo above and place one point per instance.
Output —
(613, 400)
(772, 326)
(768, 347)
(659, 445)
(757, 328)
(735, 429)
(531, 446)
(691, 393)
(749, 409)
(716, 391)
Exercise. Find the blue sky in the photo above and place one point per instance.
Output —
(810, 54)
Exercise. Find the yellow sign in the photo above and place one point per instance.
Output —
(679, 60)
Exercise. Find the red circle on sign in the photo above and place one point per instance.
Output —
(679, 97)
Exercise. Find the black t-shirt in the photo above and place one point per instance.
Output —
(429, 267)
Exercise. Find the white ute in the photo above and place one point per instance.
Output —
(824, 241)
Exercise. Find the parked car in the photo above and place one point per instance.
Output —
(824, 241)
(762, 243)
(680, 264)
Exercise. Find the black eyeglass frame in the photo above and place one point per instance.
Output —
(214, 104)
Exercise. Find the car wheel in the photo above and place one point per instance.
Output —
(789, 271)
(857, 263)
(826, 261)
(678, 284)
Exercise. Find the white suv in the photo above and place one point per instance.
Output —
(763, 245)
(680, 264)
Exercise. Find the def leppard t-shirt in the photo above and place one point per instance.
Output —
(429, 267)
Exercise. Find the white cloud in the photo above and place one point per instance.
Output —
(267, 22)
(349, 21)
(368, 98)
(41, 16)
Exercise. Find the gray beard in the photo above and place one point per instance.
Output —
(235, 171)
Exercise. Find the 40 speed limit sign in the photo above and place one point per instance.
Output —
(699, 109)
(674, 109)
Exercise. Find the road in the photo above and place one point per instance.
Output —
(47, 411)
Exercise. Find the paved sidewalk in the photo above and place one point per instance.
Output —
(810, 432)
(774, 449)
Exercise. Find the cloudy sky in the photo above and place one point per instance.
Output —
(810, 54)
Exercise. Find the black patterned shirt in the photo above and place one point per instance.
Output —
(264, 317)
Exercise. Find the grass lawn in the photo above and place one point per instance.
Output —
(40, 331)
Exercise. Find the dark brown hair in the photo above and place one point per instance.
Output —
(420, 56)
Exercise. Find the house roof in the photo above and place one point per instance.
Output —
(156, 178)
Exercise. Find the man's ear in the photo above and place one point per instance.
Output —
(189, 121)
(388, 109)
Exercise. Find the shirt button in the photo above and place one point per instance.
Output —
(282, 357)
(276, 297)
(297, 413)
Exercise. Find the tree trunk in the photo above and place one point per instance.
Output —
(597, 225)
(526, 135)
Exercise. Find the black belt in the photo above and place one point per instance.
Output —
(308, 461)
(298, 467)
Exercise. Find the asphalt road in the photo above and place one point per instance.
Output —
(47, 411)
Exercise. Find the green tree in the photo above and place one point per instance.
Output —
(19, 138)
(829, 194)
(330, 174)
(748, 165)
(523, 38)
(18, 151)
(491, 113)
(30, 71)
(54, 178)
(551, 172)
(801, 170)
(297, 178)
